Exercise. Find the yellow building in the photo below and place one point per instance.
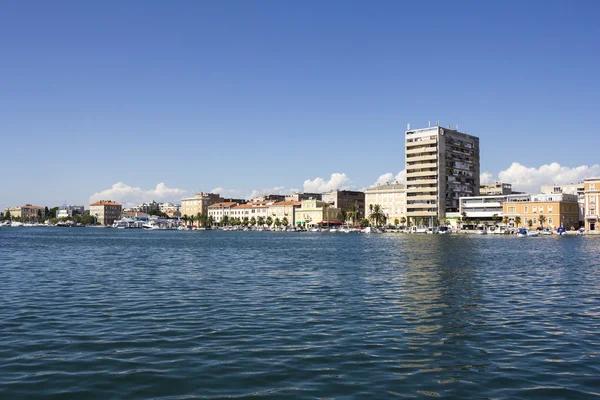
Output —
(284, 209)
(26, 212)
(391, 198)
(557, 209)
(198, 203)
(316, 212)
(105, 212)
(592, 197)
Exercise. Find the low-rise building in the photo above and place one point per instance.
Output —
(268, 197)
(391, 198)
(592, 199)
(486, 208)
(557, 210)
(299, 196)
(173, 214)
(198, 203)
(68, 211)
(345, 199)
(249, 210)
(26, 212)
(106, 212)
(571, 188)
(284, 209)
(138, 215)
(219, 210)
(495, 189)
(164, 207)
(316, 212)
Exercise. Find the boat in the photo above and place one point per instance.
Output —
(16, 224)
(546, 231)
(561, 231)
(417, 229)
(150, 226)
(526, 233)
(333, 230)
(432, 231)
(481, 231)
(370, 229)
(444, 230)
(316, 229)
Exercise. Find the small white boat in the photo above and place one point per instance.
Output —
(432, 231)
(370, 229)
(16, 224)
(444, 230)
(546, 232)
(526, 233)
(317, 229)
(481, 232)
(333, 230)
(418, 229)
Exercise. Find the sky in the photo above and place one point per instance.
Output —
(141, 100)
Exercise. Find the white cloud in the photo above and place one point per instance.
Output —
(390, 178)
(130, 196)
(319, 185)
(231, 193)
(401, 176)
(530, 179)
(486, 177)
(274, 190)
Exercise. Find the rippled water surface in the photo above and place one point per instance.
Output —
(111, 314)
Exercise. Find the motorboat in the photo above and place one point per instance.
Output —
(16, 224)
(546, 231)
(417, 229)
(561, 231)
(444, 230)
(526, 233)
(316, 229)
(481, 231)
(333, 230)
(432, 231)
(370, 229)
(150, 226)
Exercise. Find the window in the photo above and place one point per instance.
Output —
(534, 221)
(541, 209)
(534, 209)
(549, 209)
(525, 208)
(511, 209)
(549, 221)
(592, 186)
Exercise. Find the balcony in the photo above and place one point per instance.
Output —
(424, 150)
(421, 142)
(421, 166)
(432, 181)
(421, 197)
(414, 174)
(426, 157)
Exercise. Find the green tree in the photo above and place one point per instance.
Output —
(210, 220)
(403, 220)
(364, 222)
(396, 222)
(185, 218)
(199, 219)
(464, 216)
(505, 220)
(376, 214)
(542, 219)
(277, 222)
(285, 221)
(225, 220)
(260, 221)
(353, 213)
(252, 221)
(530, 223)
(269, 221)
(517, 221)
(192, 219)
(496, 218)
(245, 221)
(342, 216)
(7, 216)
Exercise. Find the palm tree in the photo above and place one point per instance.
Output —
(342, 215)
(403, 220)
(505, 220)
(353, 213)
(396, 222)
(530, 223)
(269, 221)
(285, 221)
(517, 221)
(199, 218)
(376, 213)
(185, 218)
(464, 216)
(496, 218)
(211, 220)
(542, 219)
(192, 219)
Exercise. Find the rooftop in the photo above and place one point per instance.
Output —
(105, 203)
(223, 204)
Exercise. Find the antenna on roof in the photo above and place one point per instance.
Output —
(430, 124)
(456, 126)
(408, 127)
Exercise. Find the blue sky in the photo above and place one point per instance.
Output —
(268, 94)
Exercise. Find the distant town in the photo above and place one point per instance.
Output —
(442, 190)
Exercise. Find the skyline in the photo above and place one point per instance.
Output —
(265, 95)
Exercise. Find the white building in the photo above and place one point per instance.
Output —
(67, 211)
(164, 207)
(219, 210)
(483, 208)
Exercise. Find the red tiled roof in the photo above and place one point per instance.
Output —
(287, 203)
(224, 204)
(105, 203)
(250, 205)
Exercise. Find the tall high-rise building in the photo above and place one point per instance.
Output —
(442, 165)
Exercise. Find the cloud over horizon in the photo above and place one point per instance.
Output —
(390, 178)
(319, 185)
(130, 196)
(530, 179)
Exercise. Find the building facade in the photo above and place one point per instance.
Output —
(391, 198)
(315, 212)
(249, 210)
(442, 165)
(486, 208)
(557, 210)
(592, 199)
(345, 199)
(219, 210)
(299, 196)
(67, 211)
(198, 203)
(106, 212)
(495, 189)
(164, 207)
(26, 212)
(285, 209)
(571, 188)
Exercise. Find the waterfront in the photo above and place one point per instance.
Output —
(95, 313)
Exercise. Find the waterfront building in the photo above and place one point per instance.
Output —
(442, 165)
(198, 203)
(392, 199)
(571, 188)
(249, 210)
(152, 206)
(137, 215)
(484, 208)
(284, 209)
(495, 189)
(26, 212)
(299, 196)
(105, 211)
(316, 212)
(173, 213)
(558, 210)
(268, 197)
(345, 199)
(67, 211)
(592, 199)
(219, 210)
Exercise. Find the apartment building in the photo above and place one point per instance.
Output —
(249, 210)
(299, 196)
(284, 209)
(592, 199)
(558, 210)
(219, 210)
(316, 212)
(105, 211)
(571, 188)
(198, 203)
(484, 208)
(345, 199)
(392, 199)
(442, 165)
(495, 189)
(67, 211)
